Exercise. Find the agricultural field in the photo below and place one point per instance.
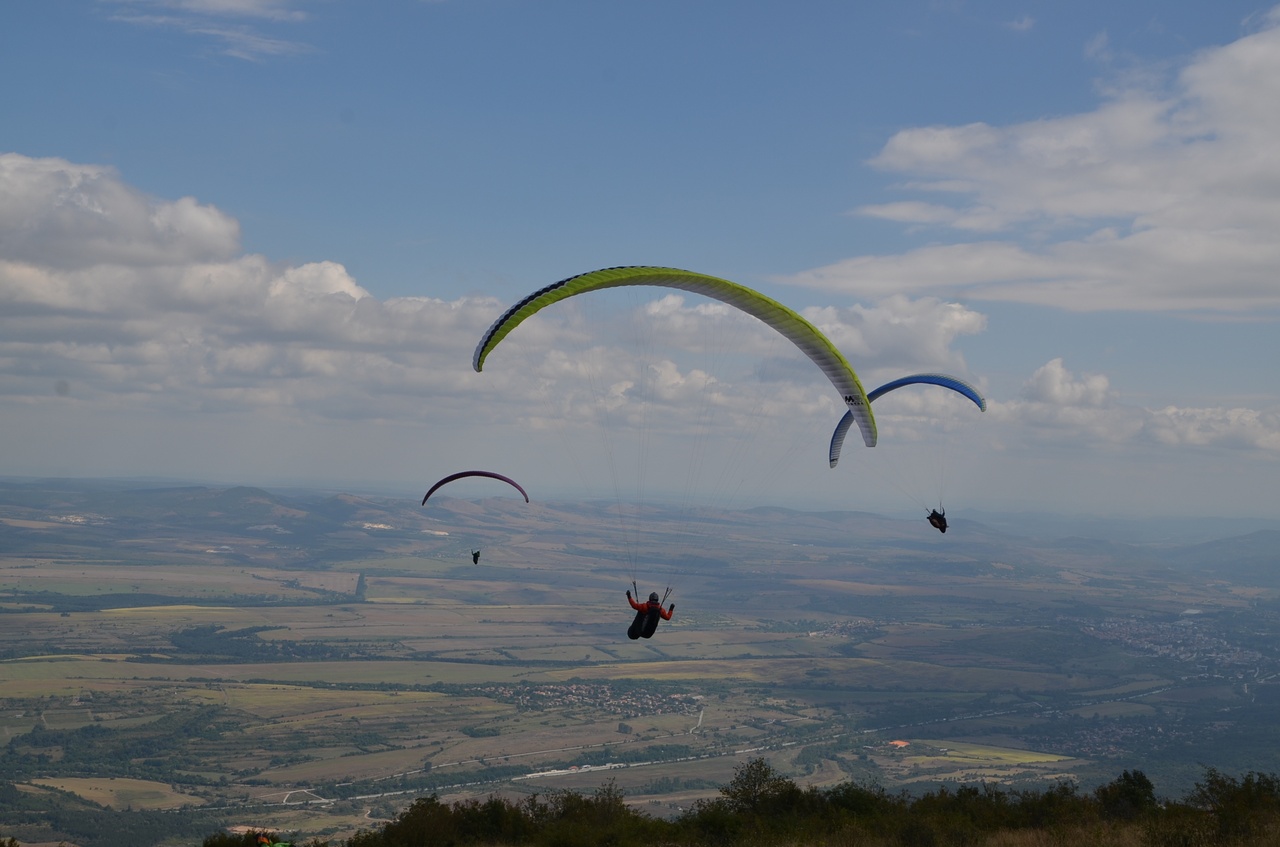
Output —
(313, 665)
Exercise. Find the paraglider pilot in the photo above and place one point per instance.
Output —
(475, 557)
(647, 615)
(938, 520)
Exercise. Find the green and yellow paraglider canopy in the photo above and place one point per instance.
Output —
(789, 323)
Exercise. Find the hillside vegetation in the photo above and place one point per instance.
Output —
(761, 807)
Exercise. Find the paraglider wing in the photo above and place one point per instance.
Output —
(837, 439)
(789, 323)
(957, 385)
(451, 477)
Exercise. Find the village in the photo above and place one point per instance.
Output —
(1191, 638)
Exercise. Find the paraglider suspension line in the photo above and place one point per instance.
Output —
(636, 592)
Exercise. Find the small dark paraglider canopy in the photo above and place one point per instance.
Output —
(462, 474)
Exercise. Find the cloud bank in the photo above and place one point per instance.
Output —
(122, 298)
(135, 328)
(1162, 199)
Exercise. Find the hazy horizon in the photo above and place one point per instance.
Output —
(257, 241)
(1031, 524)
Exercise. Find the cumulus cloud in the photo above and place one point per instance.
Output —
(1058, 406)
(1160, 199)
(899, 334)
(122, 299)
(640, 357)
(1054, 384)
(136, 321)
(1245, 429)
(113, 302)
(111, 299)
(60, 215)
(666, 357)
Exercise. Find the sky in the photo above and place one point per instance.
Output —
(256, 241)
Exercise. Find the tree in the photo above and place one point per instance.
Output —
(1241, 807)
(755, 785)
(1128, 796)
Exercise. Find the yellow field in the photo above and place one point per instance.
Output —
(281, 702)
(925, 760)
(31, 524)
(985, 753)
(78, 578)
(123, 793)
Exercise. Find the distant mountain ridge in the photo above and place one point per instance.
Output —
(33, 511)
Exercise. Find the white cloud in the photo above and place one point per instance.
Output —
(912, 212)
(1022, 24)
(1067, 410)
(899, 334)
(127, 343)
(1155, 201)
(232, 24)
(1098, 47)
(1060, 407)
(112, 302)
(135, 335)
(280, 10)
(647, 358)
(1245, 429)
(1054, 384)
(57, 214)
(118, 299)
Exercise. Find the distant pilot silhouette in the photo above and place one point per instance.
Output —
(938, 520)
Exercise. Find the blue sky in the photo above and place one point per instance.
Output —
(256, 240)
